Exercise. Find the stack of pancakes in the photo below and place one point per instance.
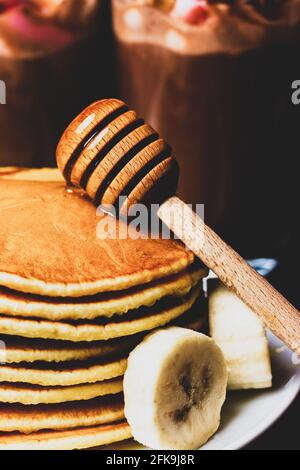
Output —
(72, 305)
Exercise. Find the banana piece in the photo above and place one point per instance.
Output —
(242, 337)
(174, 388)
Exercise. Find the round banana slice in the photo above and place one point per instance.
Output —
(174, 389)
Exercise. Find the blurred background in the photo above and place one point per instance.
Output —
(213, 77)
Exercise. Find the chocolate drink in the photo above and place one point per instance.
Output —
(220, 92)
(47, 51)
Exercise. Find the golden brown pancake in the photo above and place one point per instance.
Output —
(16, 349)
(29, 394)
(143, 319)
(15, 303)
(46, 293)
(64, 373)
(30, 174)
(56, 235)
(27, 418)
(79, 438)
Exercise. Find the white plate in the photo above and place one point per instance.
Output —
(247, 414)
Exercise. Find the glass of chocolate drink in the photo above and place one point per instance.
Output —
(214, 77)
(49, 63)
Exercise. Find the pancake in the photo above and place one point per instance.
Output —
(28, 394)
(79, 438)
(27, 419)
(64, 373)
(30, 174)
(35, 394)
(28, 305)
(66, 249)
(54, 231)
(17, 349)
(144, 319)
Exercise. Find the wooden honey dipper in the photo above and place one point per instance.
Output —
(109, 152)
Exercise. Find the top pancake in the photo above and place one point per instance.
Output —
(49, 245)
(30, 174)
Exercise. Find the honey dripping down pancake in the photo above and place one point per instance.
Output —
(54, 232)
(144, 319)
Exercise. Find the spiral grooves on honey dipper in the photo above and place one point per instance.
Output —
(109, 152)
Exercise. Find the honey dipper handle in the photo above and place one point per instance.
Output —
(276, 312)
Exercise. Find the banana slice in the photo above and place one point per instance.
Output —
(242, 337)
(174, 388)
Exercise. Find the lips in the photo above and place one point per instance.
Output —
(191, 11)
(16, 17)
(35, 31)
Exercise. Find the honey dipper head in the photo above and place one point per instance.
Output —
(109, 152)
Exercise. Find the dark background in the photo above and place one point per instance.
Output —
(283, 435)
